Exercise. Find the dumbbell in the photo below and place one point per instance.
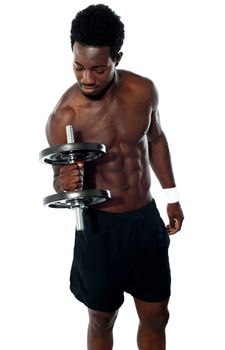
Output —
(70, 153)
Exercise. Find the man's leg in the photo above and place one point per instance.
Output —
(153, 320)
(100, 336)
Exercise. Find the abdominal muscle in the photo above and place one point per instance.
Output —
(126, 175)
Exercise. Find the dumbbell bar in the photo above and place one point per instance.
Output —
(69, 153)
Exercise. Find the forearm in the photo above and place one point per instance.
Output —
(160, 161)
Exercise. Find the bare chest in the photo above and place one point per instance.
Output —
(112, 124)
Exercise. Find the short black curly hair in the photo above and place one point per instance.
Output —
(98, 25)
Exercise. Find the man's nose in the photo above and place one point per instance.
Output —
(87, 78)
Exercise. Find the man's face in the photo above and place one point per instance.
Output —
(93, 68)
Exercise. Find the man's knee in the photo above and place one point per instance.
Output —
(159, 322)
(156, 322)
(102, 322)
(153, 316)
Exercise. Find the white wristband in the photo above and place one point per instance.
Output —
(171, 195)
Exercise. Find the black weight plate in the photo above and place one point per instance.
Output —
(82, 198)
(69, 153)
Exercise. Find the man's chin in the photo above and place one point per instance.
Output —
(93, 94)
(89, 91)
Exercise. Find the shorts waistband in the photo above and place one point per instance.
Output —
(130, 215)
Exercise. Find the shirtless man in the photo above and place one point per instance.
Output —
(124, 246)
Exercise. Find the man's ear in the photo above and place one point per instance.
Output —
(118, 57)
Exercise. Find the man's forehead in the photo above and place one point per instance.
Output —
(91, 51)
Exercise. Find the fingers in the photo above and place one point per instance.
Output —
(176, 218)
(173, 227)
(71, 177)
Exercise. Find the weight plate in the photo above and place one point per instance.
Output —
(69, 153)
(81, 199)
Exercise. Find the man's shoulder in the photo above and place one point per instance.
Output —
(64, 112)
(137, 83)
(65, 104)
(137, 80)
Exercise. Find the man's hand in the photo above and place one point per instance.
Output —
(71, 176)
(176, 218)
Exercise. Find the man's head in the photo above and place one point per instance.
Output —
(98, 25)
(96, 38)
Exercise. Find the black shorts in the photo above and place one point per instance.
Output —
(121, 252)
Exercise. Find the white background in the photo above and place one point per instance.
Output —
(180, 46)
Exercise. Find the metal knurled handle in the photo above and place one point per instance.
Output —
(78, 210)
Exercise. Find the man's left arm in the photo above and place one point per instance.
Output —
(160, 161)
